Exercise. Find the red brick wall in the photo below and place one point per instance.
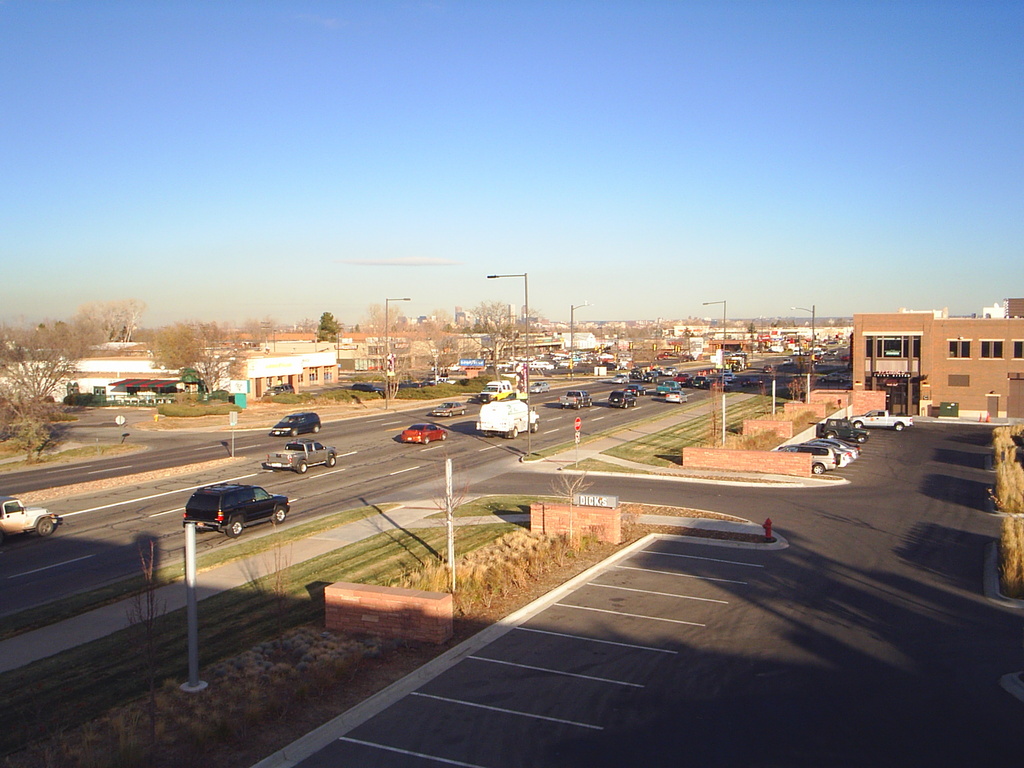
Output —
(818, 409)
(770, 462)
(554, 520)
(865, 400)
(833, 398)
(409, 614)
(783, 429)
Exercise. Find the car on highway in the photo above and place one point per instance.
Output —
(620, 378)
(15, 517)
(231, 508)
(622, 398)
(423, 434)
(448, 409)
(296, 424)
(675, 397)
(539, 387)
(638, 390)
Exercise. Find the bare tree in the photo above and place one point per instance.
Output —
(116, 320)
(436, 342)
(143, 612)
(208, 348)
(494, 319)
(567, 485)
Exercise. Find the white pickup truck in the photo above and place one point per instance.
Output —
(15, 517)
(882, 419)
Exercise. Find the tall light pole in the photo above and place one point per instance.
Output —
(722, 302)
(572, 342)
(389, 371)
(526, 375)
(810, 355)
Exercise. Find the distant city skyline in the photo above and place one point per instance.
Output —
(231, 161)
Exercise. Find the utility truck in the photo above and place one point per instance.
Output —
(506, 418)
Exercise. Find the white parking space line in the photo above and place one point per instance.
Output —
(400, 471)
(709, 559)
(630, 615)
(586, 639)
(682, 575)
(410, 753)
(154, 496)
(169, 511)
(556, 672)
(508, 711)
(48, 567)
(659, 594)
(108, 469)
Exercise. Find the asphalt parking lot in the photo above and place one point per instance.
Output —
(595, 664)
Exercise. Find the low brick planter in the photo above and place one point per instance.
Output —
(769, 462)
(558, 519)
(783, 429)
(408, 614)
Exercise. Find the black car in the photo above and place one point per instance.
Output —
(635, 389)
(281, 389)
(367, 386)
(296, 424)
(231, 508)
(622, 398)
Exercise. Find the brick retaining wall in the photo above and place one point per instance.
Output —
(770, 462)
(408, 614)
(554, 520)
(784, 429)
(817, 409)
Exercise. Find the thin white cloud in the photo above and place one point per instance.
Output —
(411, 261)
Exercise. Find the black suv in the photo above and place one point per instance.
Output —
(281, 389)
(232, 508)
(295, 424)
(620, 398)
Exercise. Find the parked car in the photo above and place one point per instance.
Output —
(824, 459)
(882, 419)
(296, 424)
(835, 442)
(622, 398)
(423, 434)
(300, 455)
(843, 456)
(232, 508)
(841, 428)
(449, 409)
(539, 387)
(15, 517)
(281, 389)
(367, 386)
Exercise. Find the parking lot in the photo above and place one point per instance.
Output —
(595, 664)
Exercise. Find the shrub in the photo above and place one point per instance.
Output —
(1011, 555)
(193, 409)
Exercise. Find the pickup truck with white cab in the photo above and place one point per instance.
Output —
(497, 390)
(882, 419)
(300, 455)
(15, 517)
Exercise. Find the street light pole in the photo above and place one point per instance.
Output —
(722, 302)
(810, 355)
(526, 376)
(572, 341)
(388, 372)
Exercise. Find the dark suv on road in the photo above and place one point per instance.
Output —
(295, 424)
(620, 398)
(231, 508)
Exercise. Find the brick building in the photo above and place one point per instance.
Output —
(931, 364)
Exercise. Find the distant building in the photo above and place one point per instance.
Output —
(931, 364)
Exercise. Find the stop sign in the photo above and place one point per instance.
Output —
(579, 423)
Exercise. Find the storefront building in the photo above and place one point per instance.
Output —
(931, 364)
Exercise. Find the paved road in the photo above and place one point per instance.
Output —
(865, 642)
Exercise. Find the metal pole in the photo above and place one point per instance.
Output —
(526, 376)
(449, 519)
(194, 684)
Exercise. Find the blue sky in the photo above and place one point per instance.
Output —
(234, 160)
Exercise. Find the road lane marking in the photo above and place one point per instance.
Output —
(410, 753)
(108, 469)
(389, 423)
(681, 575)
(556, 672)
(331, 472)
(66, 469)
(488, 448)
(350, 453)
(595, 640)
(48, 567)
(508, 711)
(659, 594)
(709, 559)
(169, 511)
(400, 471)
(155, 496)
(630, 615)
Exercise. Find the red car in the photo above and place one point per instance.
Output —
(682, 378)
(423, 433)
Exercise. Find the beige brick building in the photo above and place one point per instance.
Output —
(931, 364)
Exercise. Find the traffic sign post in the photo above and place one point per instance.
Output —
(577, 425)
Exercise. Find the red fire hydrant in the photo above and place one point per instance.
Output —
(767, 525)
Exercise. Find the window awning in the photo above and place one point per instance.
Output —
(154, 385)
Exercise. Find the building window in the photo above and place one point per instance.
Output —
(959, 348)
(992, 349)
(959, 380)
(1018, 350)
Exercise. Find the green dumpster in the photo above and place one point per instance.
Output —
(949, 409)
